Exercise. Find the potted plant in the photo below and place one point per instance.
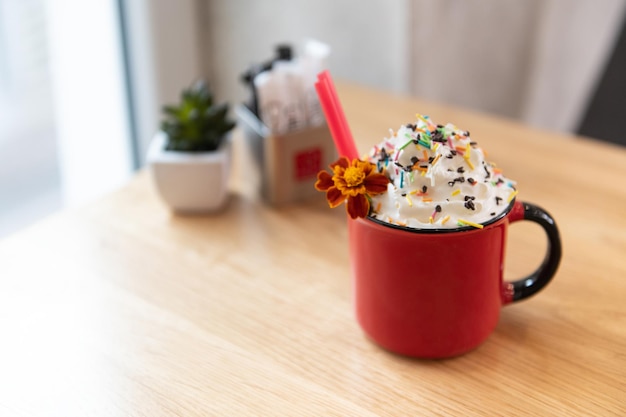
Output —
(190, 156)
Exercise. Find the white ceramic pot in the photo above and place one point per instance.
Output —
(190, 182)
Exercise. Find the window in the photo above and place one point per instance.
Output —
(81, 89)
(29, 172)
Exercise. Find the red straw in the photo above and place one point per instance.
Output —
(336, 119)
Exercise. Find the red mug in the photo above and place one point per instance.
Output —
(438, 293)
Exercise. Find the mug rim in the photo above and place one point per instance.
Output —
(409, 229)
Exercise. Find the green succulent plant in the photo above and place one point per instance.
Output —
(196, 124)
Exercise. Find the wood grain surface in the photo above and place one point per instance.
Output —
(121, 308)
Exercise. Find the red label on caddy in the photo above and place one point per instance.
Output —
(308, 163)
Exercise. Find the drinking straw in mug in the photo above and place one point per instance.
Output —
(335, 117)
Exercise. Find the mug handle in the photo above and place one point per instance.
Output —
(533, 283)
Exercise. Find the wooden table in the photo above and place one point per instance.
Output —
(120, 308)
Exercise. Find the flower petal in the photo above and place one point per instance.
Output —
(334, 197)
(376, 183)
(358, 206)
(324, 181)
(365, 166)
(352, 191)
(343, 162)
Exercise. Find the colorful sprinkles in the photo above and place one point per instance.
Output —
(462, 222)
(438, 154)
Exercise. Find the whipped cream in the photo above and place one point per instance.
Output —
(439, 179)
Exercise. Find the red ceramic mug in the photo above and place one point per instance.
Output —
(438, 293)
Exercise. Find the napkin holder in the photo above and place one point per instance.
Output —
(288, 163)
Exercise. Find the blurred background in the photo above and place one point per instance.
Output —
(82, 83)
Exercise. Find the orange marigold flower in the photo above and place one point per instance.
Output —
(355, 181)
